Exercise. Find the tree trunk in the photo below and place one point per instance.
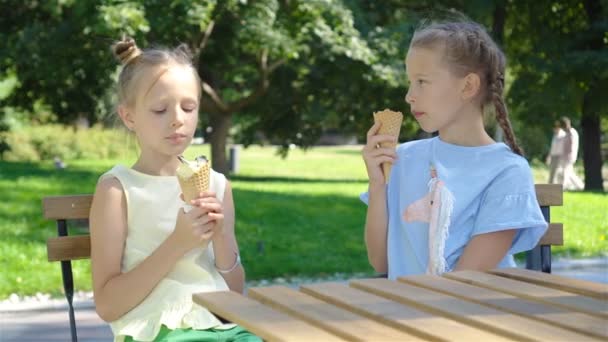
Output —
(220, 124)
(592, 155)
(590, 121)
(499, 16)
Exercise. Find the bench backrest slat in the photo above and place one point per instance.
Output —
(554, 235)
(68, 247)
(67, 207)
(549, 194)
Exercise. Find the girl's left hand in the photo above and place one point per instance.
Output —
(213, 207)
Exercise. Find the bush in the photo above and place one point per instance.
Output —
(46, 142)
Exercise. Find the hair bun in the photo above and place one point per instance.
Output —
(126, 50)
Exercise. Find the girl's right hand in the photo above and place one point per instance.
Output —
(374, 155)
(193, 228)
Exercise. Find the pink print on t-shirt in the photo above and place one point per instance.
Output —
(435, 208)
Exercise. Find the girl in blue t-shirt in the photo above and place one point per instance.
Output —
(459, 200)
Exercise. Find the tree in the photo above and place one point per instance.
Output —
(283, 68)
(50, 48)
(562, 68)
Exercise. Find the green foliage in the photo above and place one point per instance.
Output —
(326, 72)
(46, 142)
(534, 140)
(554, 68)
(125, 17)
(7, 85)
(59, 52)
(299, 216)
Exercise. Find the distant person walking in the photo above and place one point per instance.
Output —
(554, 158)
(571, 181)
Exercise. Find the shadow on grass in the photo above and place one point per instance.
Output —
(282, 235)
(595, 192)
(22, 188)
(556, 252)
(353, 152)
(280, 179)
(43, 172)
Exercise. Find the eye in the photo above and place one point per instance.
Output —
(158, 111)
(189, 109)
(421, 82)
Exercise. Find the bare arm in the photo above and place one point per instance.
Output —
(376, 222)
(116, 293)
(376, 227)
(485, 251)
(225, 246)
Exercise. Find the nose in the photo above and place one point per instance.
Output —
(178, 118)
(408, 96)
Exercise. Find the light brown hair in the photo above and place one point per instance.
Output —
(137, 62)
(468, 48)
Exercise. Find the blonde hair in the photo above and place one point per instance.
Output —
(468, 48)
(136, 62)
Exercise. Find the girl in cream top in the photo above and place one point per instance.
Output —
(148, 254)
(152, 206)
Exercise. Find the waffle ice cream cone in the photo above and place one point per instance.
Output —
(193, 177)
(391, 125)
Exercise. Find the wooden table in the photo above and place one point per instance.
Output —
(500, 305)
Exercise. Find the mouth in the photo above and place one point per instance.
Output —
(417, 114)
(176, 137)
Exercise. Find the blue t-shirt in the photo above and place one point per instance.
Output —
(492, 190)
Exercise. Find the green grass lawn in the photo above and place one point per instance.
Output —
(298, 216)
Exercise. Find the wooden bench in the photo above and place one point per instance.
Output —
(65, 248)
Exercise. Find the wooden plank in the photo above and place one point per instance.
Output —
(554, 235)
(575, 321)
(416, 322)
(67, 207)
(585, 288)
(68, 247)
(338, 321)
(480, 316)
(567, 300)
(269, 324)
(549, 194)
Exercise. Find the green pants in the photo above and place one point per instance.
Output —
(236, 334)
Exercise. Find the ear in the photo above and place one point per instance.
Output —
(470, 86)
(126, 116)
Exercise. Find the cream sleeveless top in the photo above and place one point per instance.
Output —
(152, 206)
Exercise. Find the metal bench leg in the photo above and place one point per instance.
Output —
(68, 281)
(68, 287)
(545, 258)
(533, 259)
(539, 258)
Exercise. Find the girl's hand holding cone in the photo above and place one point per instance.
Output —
(195, 228)
(375, 155)
(391, 125)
